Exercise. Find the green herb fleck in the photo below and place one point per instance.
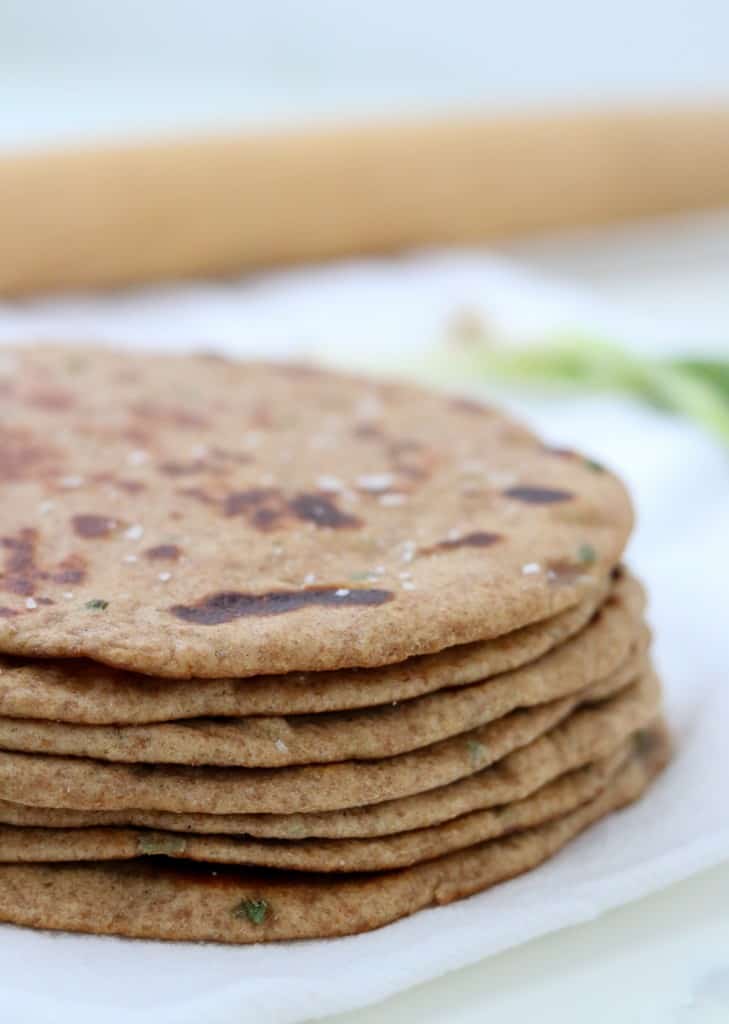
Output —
(362, 577)
(254, 911)
(594, 465)
(697, 389)
(476, 750)
(152, 845)
(97, 604)
(586, 554)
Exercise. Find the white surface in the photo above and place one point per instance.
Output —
(84, 69)
(662, 960)
(681, 483)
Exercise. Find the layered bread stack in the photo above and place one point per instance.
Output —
(289, 654)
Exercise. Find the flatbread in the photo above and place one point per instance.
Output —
(86, 692)
(43, 845)
(84, 784)
(281, 519)
(158, 900)
(599, 649)
(592, 732)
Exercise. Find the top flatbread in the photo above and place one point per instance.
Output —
(190, 517)
(85, 692)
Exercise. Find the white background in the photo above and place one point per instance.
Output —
(84, 68)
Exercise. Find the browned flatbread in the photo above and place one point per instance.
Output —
(86, 692)
(43, 845)
(592, 732)
(593, 654)
(229, 905)
(217, 519)
(84, 784)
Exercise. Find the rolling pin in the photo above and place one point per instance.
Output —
(123, 214)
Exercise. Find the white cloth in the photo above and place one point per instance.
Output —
(680, 480)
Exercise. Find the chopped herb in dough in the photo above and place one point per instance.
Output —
(254, 911)
(152, 845)
(476, 750)
(587, 554)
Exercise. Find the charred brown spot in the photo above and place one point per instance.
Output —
(266, 509)
(131, 486)
(167, 552)
(229, 605)
(44, 600)
(322, 511)
(562, 453)
(173, 415)
(646, 742)
(470, 405)
(181, 468)
(21, 456)
(368, 432)
(53, 401)
(70, 570)
(93, 527)
(562, 571)
(410, 458)
(476, 539)
(21, 573)
(137, 436)
(261, 506)
(533, 495)
(198, 494)
(617, 573)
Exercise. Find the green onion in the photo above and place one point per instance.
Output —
(695, 388)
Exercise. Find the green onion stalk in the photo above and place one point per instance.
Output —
(697, 389)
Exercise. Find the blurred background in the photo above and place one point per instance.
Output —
(86, 70)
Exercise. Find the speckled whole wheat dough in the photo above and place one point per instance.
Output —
(211, 518)
(592, 654)
(84, 784)
(592, 732)
(568, 791)
(149, 900)
(47, 846)
(86, 692)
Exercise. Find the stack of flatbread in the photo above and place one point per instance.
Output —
(289, 654)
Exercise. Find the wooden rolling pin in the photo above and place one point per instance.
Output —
(98, 217)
